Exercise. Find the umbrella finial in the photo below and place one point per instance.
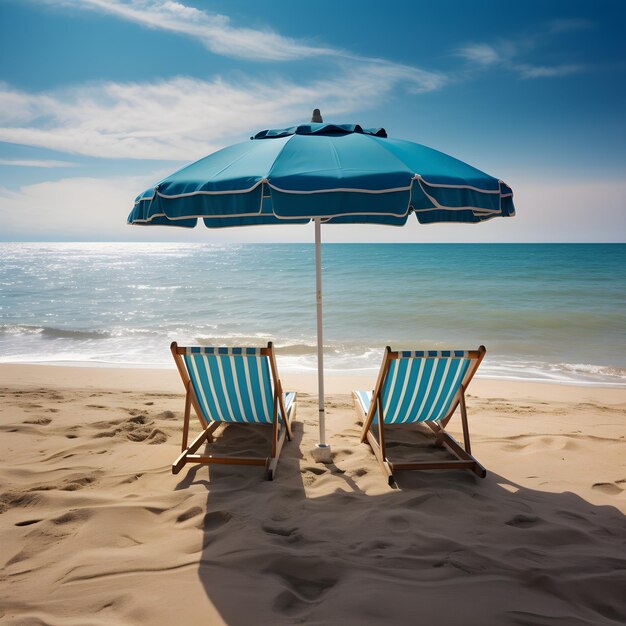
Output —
(316, 118)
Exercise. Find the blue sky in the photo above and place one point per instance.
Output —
(100, 98)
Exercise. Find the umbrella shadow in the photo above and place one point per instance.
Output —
(324, 545)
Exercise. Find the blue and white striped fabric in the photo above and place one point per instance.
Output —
(407, 354)
(233, 384)
(420, 386)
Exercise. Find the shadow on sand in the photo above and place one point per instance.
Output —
(444, 547)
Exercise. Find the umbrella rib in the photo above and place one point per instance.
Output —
(450, 186)
(437, 205)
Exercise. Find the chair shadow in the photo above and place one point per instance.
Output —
(444, 547)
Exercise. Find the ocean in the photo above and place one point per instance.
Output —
(547, 312)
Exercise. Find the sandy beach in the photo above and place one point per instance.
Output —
(96, 530)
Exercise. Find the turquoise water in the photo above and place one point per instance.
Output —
(544, 311)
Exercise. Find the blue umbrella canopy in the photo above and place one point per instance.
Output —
(339, 173)
(329, 173)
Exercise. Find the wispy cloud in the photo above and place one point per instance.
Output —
(45, 163)
(184, 118)
(510, 54)
(215, 31)
(480, 53)
(568, 24)
(541, 71)
(57, 208)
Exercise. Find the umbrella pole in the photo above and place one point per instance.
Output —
(321, 453)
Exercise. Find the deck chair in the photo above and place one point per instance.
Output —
(232, 386)
(420, 387)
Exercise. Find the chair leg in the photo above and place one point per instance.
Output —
(380, 457)
(205, 435)
(466, 436)
(273, 462)
(286, 418)
(186, 420)
(278, 439)
(368, 437)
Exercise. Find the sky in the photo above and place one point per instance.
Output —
(99, 99)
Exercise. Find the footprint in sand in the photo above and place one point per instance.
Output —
(167, 415)
(137, 419)
(78, 482)
(313, 470)
(523, 521)
(28, 522)
(153, 435)
(216, 519)
(131, 479)
(610, 489)
(137, 428)
(157, 437)
(194, 511)
(13, 499)
(306, 582)
(48, 533)
(72, 517)
(39, 421)
(155, 510)
(74, 482)
(281, 531)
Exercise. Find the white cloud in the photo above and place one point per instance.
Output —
(480, 53)
(568, 24)
(186, 118)
(507, 54)
(213, 30)
(46, 163)
(541, 71)
(217, 34)
(68, 208)
(183, 118)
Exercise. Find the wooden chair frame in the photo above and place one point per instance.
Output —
(463, 454)
(188, 450)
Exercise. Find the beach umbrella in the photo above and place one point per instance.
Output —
(328, 173)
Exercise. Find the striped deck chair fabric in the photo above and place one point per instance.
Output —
(423, 386)
(233, 385)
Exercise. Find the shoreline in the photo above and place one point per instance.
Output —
(333, 378)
